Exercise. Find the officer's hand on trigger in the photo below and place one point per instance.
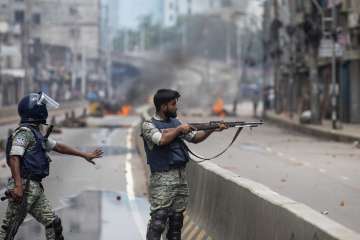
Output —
(92, 155)
(222, 126)
(185, 128)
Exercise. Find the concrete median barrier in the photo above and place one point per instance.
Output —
(227, 207)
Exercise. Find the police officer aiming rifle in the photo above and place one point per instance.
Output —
(26, 155)
(163, 137)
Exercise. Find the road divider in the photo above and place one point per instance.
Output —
(231, 207)
(227, 207)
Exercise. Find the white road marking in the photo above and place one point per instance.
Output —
(322, 170)
(307, 164)
(269, 149)
(292, 159)
(130, 187)
(344, 178)
(280, 154)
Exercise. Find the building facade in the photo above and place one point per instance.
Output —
(69, 31)
(305, 78)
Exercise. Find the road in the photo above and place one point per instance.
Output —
(98, 202)
(106, 201)
(322, 174)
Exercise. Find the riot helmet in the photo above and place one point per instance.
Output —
(34, 108)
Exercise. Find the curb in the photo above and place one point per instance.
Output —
(312, 130)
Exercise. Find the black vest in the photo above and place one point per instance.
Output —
(35, 162)
(171, 156)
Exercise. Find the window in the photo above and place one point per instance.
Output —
(19, 16)
(37, 18)
(211, 3)
(171, 5)
(9, 62)
(75, 33)
(79, 57)
(73, 11)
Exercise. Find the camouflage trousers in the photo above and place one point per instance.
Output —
(37, 206)
(169, 190)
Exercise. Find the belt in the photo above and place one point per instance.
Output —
(34, 178)
(176, 167)
(171, 167)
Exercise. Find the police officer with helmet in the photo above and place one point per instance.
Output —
(26, 155)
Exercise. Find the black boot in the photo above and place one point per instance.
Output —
(175, 225)
(157, 224)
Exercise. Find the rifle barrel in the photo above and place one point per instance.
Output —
(215, 124)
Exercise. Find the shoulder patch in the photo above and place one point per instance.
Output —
(20, 141)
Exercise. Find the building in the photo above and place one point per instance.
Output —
(309, 29)
(171, 12)
(69, 25)
(12, 72)
(173, 9)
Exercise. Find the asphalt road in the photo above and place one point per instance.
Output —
(322, 174)
(106, 201)
(99, 202)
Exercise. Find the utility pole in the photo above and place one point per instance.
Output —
(291, 32)
(278, 99)
(228, 42)
(315, 38)
(28, 81)
(334, 88)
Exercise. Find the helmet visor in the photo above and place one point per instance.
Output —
(48, 101)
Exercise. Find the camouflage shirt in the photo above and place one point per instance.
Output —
(24, 139)
(152, 135)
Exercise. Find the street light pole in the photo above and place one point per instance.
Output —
(28, 83)
(334, 85)
(228, 43)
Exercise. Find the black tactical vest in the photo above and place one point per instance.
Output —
(35, 162)
(171, 156)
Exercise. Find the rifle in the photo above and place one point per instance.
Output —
(48, 131)
(22, 212)
(212, 125)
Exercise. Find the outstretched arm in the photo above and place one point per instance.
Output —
(203, 135)
(88, 156)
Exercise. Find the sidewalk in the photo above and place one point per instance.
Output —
(349, 132)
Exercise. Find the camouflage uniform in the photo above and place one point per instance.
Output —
(36, 202)
(166, 189)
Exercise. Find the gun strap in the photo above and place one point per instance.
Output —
(203, 159)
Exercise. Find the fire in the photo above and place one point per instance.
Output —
(125, 110)
(218, 107)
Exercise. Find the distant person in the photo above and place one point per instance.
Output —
(305, 109)
(163, 137)
(27, 156)
(255, 98)
(266, 98)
